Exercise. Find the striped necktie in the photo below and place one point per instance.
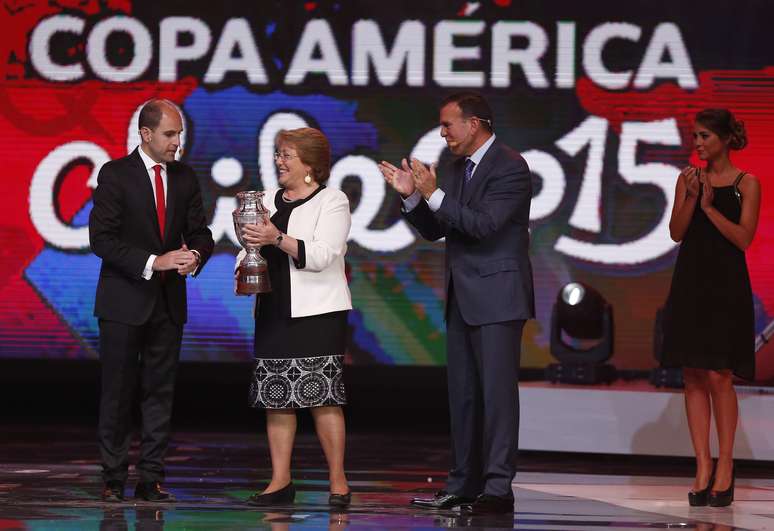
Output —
(469, 165)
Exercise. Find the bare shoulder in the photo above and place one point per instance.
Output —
(749, 183)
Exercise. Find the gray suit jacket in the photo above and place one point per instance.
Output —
(487, 237)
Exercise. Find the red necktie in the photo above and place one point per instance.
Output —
(161, 208)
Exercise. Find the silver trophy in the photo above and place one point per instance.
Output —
(252, 272)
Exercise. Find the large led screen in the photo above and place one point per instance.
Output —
(598, 96)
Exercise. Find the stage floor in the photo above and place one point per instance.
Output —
(50, 480)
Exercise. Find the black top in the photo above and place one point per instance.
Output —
(709, 318)
(277, 301)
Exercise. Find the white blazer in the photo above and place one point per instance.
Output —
(323, 224)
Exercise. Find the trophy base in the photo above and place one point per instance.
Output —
(252, 280)
(251, 288)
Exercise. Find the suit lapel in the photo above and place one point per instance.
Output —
(146, 191)
(458, 174)
(172, 188)
(480, 174)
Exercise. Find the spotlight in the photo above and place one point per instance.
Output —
(581, 336)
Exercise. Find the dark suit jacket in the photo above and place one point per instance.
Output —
(487, 238)
(124, 232)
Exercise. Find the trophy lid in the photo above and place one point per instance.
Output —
(250, 200)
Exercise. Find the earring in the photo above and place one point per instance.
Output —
(308, 179)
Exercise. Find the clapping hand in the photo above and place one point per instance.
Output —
(691, 177)
(401, 179)
(707, 195)
(425, 180)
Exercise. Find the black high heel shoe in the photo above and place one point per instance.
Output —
(340, 500)
(286, 495)
(701, 498)
(723, 498)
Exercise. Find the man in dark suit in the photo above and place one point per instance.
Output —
(148, 227)
(482, 209)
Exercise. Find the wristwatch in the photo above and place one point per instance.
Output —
(279, 239)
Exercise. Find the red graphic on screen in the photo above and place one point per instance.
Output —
(35, 118)
(18, 17)
(748, 94)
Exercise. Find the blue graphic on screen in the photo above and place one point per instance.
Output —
(224, 123)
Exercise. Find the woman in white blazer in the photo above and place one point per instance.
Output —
(301, 325)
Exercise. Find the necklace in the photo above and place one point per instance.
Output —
(286, 199)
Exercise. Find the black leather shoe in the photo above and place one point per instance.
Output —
(489, 504)
(441, 500)
(340, 500)
(151, 491)
(284, 496)
(700, 498)
(113, 491)
(725, 497)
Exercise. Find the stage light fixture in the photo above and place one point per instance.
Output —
(581, 336)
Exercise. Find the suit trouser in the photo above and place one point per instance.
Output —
(483, 372)
(148, 353)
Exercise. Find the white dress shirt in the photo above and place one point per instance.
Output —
(149, 163)
(436, 198)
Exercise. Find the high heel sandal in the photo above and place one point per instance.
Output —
(701, 498)
(723, 498)
(286, 495)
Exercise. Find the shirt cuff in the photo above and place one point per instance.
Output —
(411, 202)
(436, 198)
(147, 273)
(300, 262)
(198, 262)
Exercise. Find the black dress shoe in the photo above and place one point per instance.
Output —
(113, 491)
(284, 496)
(489, 504)
(151, 491)
(340, 500)
(725, 497)
(441, 500)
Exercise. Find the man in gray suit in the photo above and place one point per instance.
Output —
(482, 209)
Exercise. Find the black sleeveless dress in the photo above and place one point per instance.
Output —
(709, 320)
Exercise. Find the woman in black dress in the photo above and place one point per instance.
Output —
(300, 326)
(709, 326)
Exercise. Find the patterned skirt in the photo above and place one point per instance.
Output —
(299, 363)
(294, 383)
